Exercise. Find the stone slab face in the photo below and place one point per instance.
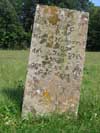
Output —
(56, 61)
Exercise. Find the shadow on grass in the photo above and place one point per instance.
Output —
(15, 95)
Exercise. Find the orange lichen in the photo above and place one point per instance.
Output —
(46, 95)
(50, 10)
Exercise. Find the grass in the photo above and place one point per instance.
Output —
(13, 66)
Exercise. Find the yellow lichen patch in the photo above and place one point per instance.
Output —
(52, 14)
(53, 19)
(47, 95)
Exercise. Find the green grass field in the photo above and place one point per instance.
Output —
(13, 65)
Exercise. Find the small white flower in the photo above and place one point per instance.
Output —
(8, 122)
(95, 114)
(38, 91)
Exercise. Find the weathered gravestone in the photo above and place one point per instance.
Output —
(56, 61)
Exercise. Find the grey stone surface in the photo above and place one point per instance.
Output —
(56, 61)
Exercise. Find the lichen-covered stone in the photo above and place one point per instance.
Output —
(56, 61)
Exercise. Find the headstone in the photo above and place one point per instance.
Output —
(56, 61)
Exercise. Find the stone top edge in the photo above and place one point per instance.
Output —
(40, 5)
